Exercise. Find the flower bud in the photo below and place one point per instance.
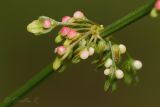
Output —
(108, 63)
(82, 42)
(154, 13)
(78, 15)
(38, 26)
(137, 64)
(119, 74)
(47, 23)
(101, 47)
(66, 19)
(107, 72)
(84, 54)
(64, 31)
(91, 51)
(157, 5)
(57, 63)
(61, 50)
(116, 53)
(35, 27)
(122, 48)
(58, 39)
(71, 34)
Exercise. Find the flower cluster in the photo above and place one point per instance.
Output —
(156, 10)
(80, 38)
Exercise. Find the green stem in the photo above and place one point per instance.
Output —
(128, 19)
(42, 75)
(27, 87)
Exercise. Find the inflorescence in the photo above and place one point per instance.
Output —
(79, 39)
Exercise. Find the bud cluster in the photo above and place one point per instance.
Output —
(80, 38)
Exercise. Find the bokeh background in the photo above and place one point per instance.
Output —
(22, 55)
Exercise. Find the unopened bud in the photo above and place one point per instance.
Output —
(66, 19)
(119, 74)
(78, 15)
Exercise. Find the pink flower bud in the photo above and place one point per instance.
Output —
(64, 31)
(66, 19)
(157, 5)
(71, 34)
(78, 15)
(61, 50)
(84, 54)
(47, 23)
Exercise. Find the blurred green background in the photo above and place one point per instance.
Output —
(22, 55)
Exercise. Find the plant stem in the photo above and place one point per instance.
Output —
(27, 87)
(128, 19)
(42, 75)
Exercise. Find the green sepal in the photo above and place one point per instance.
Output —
(57, 63)
(58, 39)
(107, 85)
(76, 59)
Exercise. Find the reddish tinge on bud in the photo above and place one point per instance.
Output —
(66, 19)
(47, 23)
(64, 31)
(71, 34)
(157, 5)
(60, 50)
(78, 15)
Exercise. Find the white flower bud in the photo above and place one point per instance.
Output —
(84, 54)
(78, 15)
(122, 48)
(108, 63)
(119, 74)
(107, 71)
(91, 51)
(137, 64)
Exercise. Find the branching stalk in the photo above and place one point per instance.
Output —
(43, 74)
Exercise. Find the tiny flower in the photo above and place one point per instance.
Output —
(108, 63)
(61, 50)
(64, 31)
(157, 5)
(137, 64)
(71, 34)
(78, 15)
(91, 51)
(66, 19)
(122, 48)
(119, 74)
(107, 72)
(84, 54)
(47, 23)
